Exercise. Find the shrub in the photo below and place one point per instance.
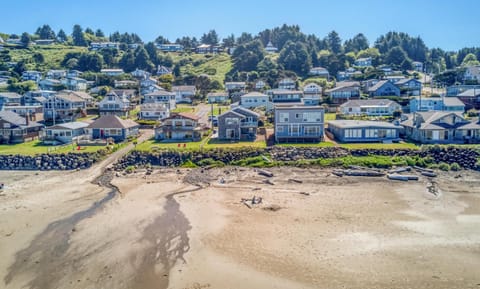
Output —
(189, 164)
(444, 166)
(210, 162)
(455, 167)
(130, 169)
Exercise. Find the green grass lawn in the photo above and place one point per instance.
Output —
(379, 146)
(36, 147)
(216, 66)
(330, 116)
(218, 109)
(206, 143)
(185, 108)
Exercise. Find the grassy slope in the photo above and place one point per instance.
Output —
(53, 55)
(221, 63)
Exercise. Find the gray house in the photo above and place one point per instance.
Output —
(238, 124)
(435, 127)
(298, 123)
(364, 131)
(17, 129)
(384, 88)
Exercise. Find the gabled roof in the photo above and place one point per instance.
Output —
(17, 120)
(406, 80)
(184, 115)
(429, 118)
(81, 94)
(10, 95)
(69, 97)
(230, 112)
(245, 111)
(112, 121)
(380, 84)
(452, 101)
(470, 92)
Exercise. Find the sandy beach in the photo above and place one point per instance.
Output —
(188, 228)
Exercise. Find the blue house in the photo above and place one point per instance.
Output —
(364, 131)
(111, 126)
(384, 88)
(294, 123)
(10, 98)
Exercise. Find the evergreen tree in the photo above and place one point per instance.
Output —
(357, 43)
(247, 56)
(25, 39)
(142, 60)
(99, 33)
(61, 36)
(334, 42)
(45, 32)
(229, 41)
(210, 38)
(295, 57)
(78, 37)
(89, 30)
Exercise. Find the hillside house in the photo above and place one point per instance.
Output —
(113, 104)
(184, 93)
(64, 133)
(384, 88)
(16, 129)
(253, 100)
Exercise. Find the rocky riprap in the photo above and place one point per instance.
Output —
(45, 162)
(465, 157)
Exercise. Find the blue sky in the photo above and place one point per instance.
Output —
(441, 23)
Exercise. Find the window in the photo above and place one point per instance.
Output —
(280, 129)
(353, 133)
(231, 121)
(297, 115)
(312, 130)
(284, 116)
(312, 116)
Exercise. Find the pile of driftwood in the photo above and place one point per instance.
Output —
(252, 202)
(425, 172)
(395, 174)
(358, 171)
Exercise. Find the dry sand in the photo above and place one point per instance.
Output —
(188, 229)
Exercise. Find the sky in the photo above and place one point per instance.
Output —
(447, 24)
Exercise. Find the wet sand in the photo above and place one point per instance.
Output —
(188, 229)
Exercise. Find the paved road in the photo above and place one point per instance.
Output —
(202, 111)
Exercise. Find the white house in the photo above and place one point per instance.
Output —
(31, 75)
(363, 62)
(154, 111)
(259, 85)
(319, 71)
(235, 86)
(253, 99)
(312, 94)
(369, 107)
(472, 73)
(184, 93)
(161, 96)
(217, 97)
(287, 83)
(56, 74)
(112, 72)
(270, 48)
(112, 104)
